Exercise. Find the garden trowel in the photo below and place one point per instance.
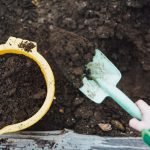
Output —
(101, 82)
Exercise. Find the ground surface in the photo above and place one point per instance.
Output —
(121, 29)
(22, 89)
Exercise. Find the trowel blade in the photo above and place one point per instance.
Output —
(100, 68)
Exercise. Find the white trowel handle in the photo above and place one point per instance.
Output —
(124, 101)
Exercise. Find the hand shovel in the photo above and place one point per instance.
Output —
(72, 55)
(101, 82)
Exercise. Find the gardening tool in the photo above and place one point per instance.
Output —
(102, 81)
(13, 46)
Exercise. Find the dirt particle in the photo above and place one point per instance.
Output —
(117, 124)
(78, 71)
(84, 112)
(61, 110)
(105, 32)
(27, 46)
(40, 95)
(77, 101)
(70, 121)
(105, 126)
(97, 116)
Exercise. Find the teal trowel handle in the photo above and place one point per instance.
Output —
(124, 101)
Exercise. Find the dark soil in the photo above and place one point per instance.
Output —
(73, 29)
(79, 52)
(27, 46)
(22, 88)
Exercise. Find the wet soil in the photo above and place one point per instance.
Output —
(27, 46)
(67, 34)
(22, 88)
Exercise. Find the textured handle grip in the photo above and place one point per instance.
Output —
(120, 98)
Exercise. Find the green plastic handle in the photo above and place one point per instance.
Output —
(120, 98)
(146, 136)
